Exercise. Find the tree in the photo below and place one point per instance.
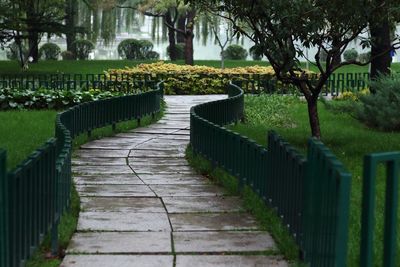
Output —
(284, 28)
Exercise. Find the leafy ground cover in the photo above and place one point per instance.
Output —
(24, 131)
(349, 140)
(98, 66)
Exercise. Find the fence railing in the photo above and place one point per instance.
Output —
(34, 195)
(392, 162)
(250, 83)
(311, 194)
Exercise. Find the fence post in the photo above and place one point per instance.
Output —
(4, 239)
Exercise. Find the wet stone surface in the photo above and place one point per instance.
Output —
(202, 204)
(102, 169)
(122, 204)
(229, 261)
(187, 190)
(118, 261)
(114, 191)
(108, 179)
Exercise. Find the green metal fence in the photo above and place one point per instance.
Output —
(311, 194)
(35, 194)
(250, 83)
(392, 162)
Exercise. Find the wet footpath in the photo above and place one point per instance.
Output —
(143, 205)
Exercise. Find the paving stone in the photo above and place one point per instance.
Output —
(114, 190)
(202, 204)
(154, 131)
(163, 169)
(229, 261)
(187, 190)
(178, 178)
(222, 241)
(101, 153)
(117, 261)
(157, 153)
(116, 169)
(157, 161)
(122, 204)
(123, 221)
(212, 222)
(99, 161)
(127, 179)
(173, 137)
(120, 242)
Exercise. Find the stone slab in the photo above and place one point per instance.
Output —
(120, 242)
(99, 161)
(157, 161)
(212, 222)
(181, 178)
(162, 169)
(202, 204)
(101, 153)
(154, 131)
(122, 204)
(123, 221)
(114, 191)
(187, 190)
(127, 179)
(222, 241)
(157, 153)
(102, 169)
(173, 137)
(117, 261)
(229, 261)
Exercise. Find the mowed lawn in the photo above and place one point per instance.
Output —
(99, 66)
(21, 132)
(348, 139)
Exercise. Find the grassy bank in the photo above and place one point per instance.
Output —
(24, 131)
(346, 137)
(98, 66)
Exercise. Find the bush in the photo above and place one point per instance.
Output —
(364, 57)
(82, 49)
(136, 49)
(180, 51)
(49, 99)
(350, 55)
(67, 55)
(256, 52)
(49, 51)
(382, 109)
(235, 52)
(13, 51)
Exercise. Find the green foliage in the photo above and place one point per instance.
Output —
(49, 99)
(256, 52)
(179, 49)
(382, 109)
(364, 57)
(271, 110)
(67, 55)
(12, 52)
(49, 51)
(82, 49)
(350, 55)
(136, 49)
(235, 52)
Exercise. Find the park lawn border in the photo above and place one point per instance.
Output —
(69, 220)
(265, 216)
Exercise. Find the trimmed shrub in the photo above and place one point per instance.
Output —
(382, 109)
(67, 55)
(180, 51)
(364, 57)
(235, 52)
(350, 55)
(136, 49)
(256, 52)
(153, 55)
(12, 52)
(49, 51)
(82, 49)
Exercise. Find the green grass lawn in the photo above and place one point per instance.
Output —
(346, 137)
(98, 66)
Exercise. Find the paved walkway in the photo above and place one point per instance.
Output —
(142, 205)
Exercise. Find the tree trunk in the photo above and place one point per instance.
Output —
(380, 50)
(33, 38)
(171, 38)
(191, 14)
(70, 11)
(337, 58)
(312, 105)
(33, 35)
(180, 37)
(222, 59)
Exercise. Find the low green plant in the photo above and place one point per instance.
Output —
(13, 51)
(235, 52)
(256, 52)
(179, 50)
(82, 49)
(350, 55)
(49, 99)
(364, 57)
(68, 55)
(49, 51)
(382, 109)
(134, 49)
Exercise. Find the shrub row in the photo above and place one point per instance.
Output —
(49, 99)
